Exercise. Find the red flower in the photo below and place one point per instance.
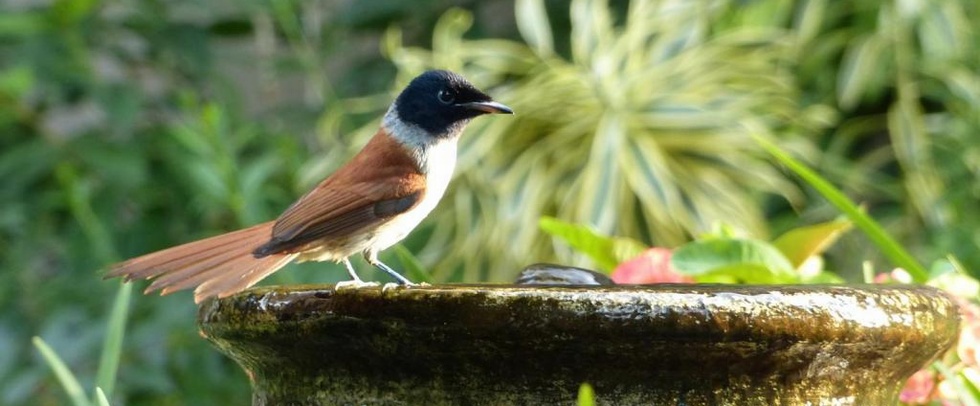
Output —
(651, 266)
(919, 389)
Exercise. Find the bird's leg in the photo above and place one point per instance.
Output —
(351, 271)
(355, 281)
(372, 258)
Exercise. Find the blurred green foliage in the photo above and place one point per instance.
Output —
(127, 127)
(131, 126)
(637, 120)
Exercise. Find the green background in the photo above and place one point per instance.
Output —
(127, 127)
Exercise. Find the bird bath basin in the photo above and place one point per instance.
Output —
(500, 344)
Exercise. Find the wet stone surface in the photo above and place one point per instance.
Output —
(498, 344)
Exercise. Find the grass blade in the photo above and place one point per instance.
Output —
(112, 346)
(100, 398)
(586, 395)
(67, 379)
(888, 246)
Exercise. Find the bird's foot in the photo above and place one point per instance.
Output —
(389, 286)
(394, 285)
(354, 284)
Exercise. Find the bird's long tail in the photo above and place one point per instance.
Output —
(216, 266)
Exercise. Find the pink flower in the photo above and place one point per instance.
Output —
(967, 347)
(897, 275)
(919, 389)
(651, 266)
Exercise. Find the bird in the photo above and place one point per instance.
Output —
(367, 205)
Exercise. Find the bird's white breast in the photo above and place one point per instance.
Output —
(438, 169)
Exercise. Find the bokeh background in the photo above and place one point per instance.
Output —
(130, 126)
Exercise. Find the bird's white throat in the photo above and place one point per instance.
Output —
(435, 154)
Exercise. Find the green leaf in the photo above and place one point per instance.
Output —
(447, 36)
(586, 395)
(943, 31)
(749, 261)
(591, 28)
(912, 144)
(810, 19)
(891, 248)
(746, 273)
(604, 179)
(532, 21)
(112, 346)
(801, 243)
(606, 252)
(65, 377)
(861, 63)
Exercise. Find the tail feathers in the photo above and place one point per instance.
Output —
(222, 286)
(216, 266)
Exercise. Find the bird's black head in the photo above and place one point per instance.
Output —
(440, 102)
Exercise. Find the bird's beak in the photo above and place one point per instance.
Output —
(490, 107)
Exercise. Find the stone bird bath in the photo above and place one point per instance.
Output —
(636, 345)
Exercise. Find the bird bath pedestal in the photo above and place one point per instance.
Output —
(636, 345)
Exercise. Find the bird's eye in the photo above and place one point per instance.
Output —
(445, 96)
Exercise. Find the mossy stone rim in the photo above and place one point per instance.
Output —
(636, 344)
